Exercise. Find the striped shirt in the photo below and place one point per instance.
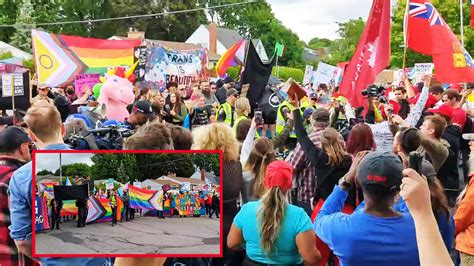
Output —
(304, 172)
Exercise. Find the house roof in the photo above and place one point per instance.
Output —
(5, 48)
(226, 36)
(192, 181)
(173, 45)
(166, 182)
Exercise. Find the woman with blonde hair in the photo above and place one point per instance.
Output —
(274, 231)
(219, 136)
(242, 110)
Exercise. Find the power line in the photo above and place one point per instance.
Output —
(20, 25)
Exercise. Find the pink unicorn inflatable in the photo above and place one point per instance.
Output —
(117, 93)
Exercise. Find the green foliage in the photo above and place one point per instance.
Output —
(79, 169)
(316, 43)
(44, 172)
(210, 162)
(256, 21)
(128, 167)
(233, 72)
(22, 38)
(6, 55)
(287, 72)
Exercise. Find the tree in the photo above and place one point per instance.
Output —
(209, 162)
(44, 172)
(317, 43)
(22, 38)
(256, 20)
(79, 169)
(8, 14)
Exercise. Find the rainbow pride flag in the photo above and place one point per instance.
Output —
(232, 57)
(60, 58)
(69, 208)
(140, 198)
(48, 187)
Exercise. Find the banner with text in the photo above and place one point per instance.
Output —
(327, 74)
(166, 65)
(84, 81)
(41, 211)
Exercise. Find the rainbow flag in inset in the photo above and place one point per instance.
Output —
(48, 187)
(59, 58)
(140, 198)
(69, 208)
(232, 57)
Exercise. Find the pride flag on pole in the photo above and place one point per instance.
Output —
(232, 57)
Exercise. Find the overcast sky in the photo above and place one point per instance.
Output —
(50, 161)
(317, 18)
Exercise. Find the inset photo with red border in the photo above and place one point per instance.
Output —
(118, 203)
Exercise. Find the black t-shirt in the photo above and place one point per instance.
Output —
(200, 117)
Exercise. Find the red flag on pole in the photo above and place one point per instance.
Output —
(472, 13)
(372, 54)
(427, 33)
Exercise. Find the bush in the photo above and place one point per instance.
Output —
(284, 73)
(287, 72)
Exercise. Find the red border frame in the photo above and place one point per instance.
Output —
(221, 249)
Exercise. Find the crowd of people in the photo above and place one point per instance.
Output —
(390, 185)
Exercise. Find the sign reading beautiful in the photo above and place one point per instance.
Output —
(166, 65)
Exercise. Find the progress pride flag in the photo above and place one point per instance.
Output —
(372, 54)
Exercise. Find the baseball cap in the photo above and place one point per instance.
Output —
(6, 120)
(232, 92)
(11, 139)
(429, 103)
(143, 107)
(444, 109)
(320, 115)
(279, 174)
(313, 95)
(307, 112)
(379, 168)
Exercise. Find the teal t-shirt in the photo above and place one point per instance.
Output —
(295, 221)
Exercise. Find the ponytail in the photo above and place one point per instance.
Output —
(258, 186)
(271, 214)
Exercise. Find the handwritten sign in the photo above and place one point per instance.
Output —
(308, 74)
(326, 74)
(83, 81)
(140, 54)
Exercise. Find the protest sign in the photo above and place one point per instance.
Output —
(140, 55)
(327, 74)
(12, 82)
(71, 192)
(186, 186)
(166, 65)
(386, 76)
(110, 183)
(421, 69)
(308, 74)
(84, 81)
(41, 214)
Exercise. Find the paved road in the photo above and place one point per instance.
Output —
(144, 235)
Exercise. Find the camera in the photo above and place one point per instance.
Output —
(375, 91)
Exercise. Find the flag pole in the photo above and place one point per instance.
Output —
(60, 170)
(462, 22)
(462, 30)
(405, 36)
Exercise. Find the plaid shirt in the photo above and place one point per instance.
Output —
(8, 250)
(304, 173)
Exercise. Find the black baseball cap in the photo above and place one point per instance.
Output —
(6, 120)
(11, 139)
(143, 107)
(321, 115)
(382, 169)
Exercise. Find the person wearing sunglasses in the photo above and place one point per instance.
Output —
(14, 153)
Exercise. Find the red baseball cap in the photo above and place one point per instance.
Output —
(279, 174)
(444, 109)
